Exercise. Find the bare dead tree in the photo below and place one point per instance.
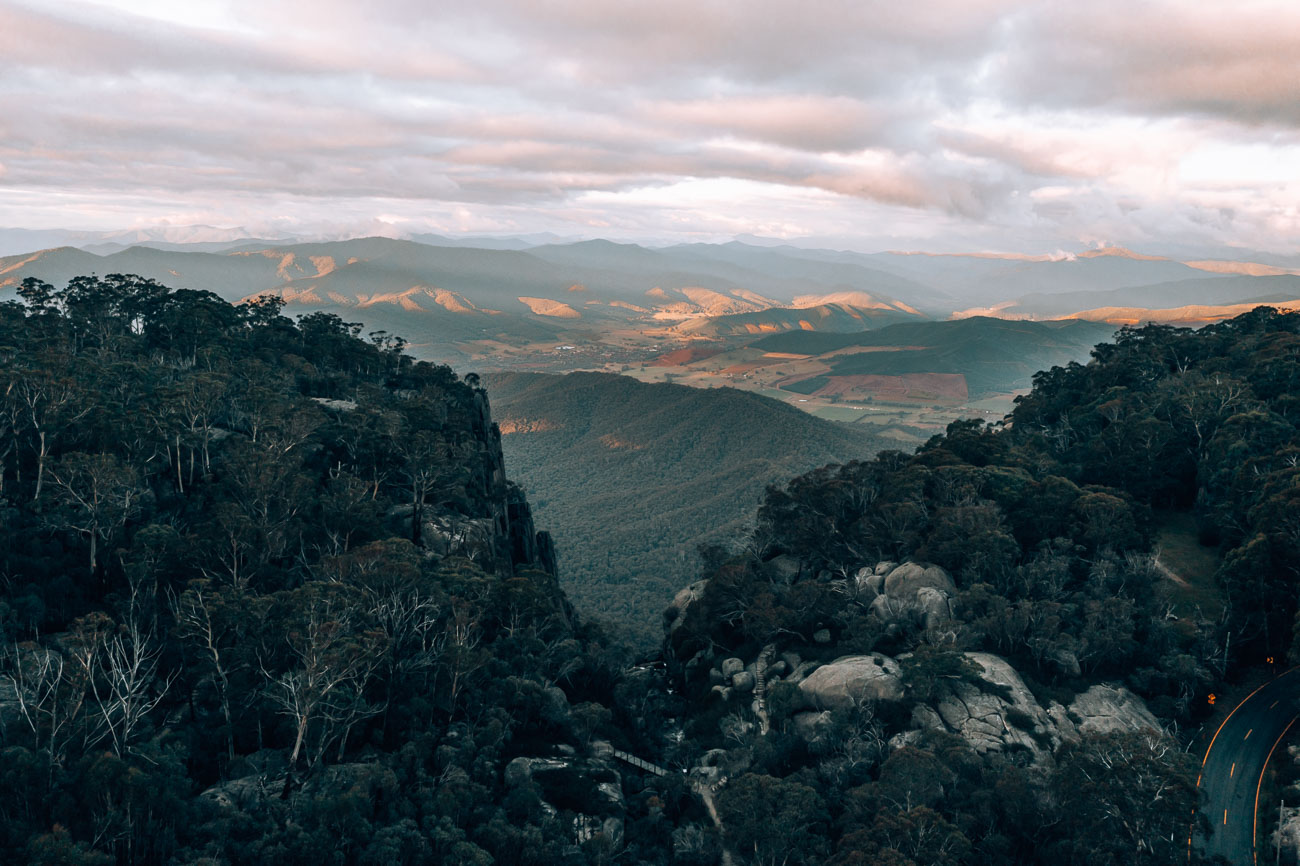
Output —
(99, 494)
(335, 659)
(193, 611)
(50, 696)
(458, 647)
(46, 402)
(125, 684)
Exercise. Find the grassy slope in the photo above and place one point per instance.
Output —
(1194, 564)
(635, 476)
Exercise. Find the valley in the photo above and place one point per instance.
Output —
(633, 478)
(794, 602)
(649, 434)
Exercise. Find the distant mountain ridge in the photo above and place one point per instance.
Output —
(831, 317)
(444, 295)
(458, 301)
(1225, 290)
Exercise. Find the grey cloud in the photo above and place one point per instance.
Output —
(1033, 162)
(505, 105)
(800, 121)
(849, 43)
(1240, 60)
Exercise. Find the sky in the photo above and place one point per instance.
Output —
(952, 125)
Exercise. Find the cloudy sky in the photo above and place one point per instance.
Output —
(951, 124)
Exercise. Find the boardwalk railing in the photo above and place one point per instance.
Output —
(637, 762)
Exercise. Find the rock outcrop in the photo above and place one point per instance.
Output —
(1287, 835)
(527, 546)
(1004, 716)
(906, 580)
(452, 535)
(851, 680)
(999, 715)
(675, 613)
(936, 607)
(993, 712)
(498, 531)
(913, 592)
(1106, 709)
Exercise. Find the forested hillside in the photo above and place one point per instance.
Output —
(632, 478)
(993, 355)
(971, 654)
(1204, 421)
(266, 595)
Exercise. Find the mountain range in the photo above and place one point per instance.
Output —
(546, 304)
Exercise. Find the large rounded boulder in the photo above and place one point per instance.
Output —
(1106, 709)
(852, 680)
(906, 580)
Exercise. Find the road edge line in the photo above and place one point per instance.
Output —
(1254, 828)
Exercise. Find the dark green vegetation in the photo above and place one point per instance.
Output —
(632, 478)
(1191, 563)
(266, 595)
(994, 355)
(1047, 525)
(1204, 421)
(274, 563)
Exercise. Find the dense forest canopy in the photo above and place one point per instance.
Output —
(1037, 540)
(1058, 506)
(239, 547)
(266, 594)
(633, 477)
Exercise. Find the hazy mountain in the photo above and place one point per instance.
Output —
(198, 238)
(1221, 291)
(444, 296)
(108, 248)
(834, 317)
(630, 477)
(491, 242)
(785, 265)
(462, 299)
(19, 241)
(987, 280)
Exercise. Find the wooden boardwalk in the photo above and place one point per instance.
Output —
(629, 758)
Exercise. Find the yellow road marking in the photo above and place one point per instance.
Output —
(1254, 828)
(1219, 730)
(1225, 816)
(1232, 769)
(1237, 707)
(1274, 704)
(1248, 733)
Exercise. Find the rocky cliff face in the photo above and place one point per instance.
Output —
(521, 545)
(499, 533)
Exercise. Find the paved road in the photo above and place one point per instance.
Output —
(1234, 766)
